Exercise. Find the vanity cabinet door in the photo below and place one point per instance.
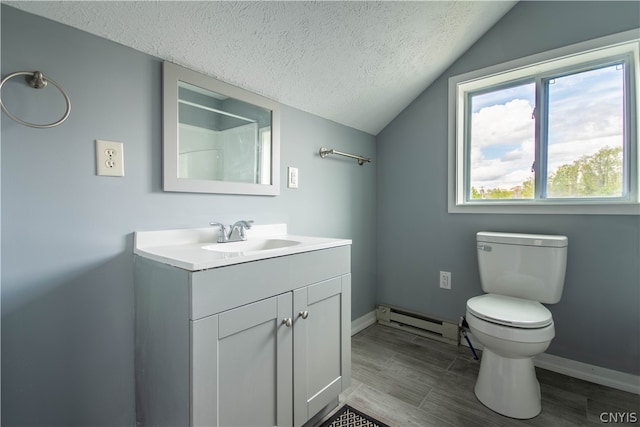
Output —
(242, 366)
(322, 345)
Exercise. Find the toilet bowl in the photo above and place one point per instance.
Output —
(518, 272)
(507, 381)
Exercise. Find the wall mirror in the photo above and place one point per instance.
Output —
(218, 138)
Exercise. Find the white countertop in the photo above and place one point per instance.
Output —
(184, 248)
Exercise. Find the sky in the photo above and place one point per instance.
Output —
(585, 114)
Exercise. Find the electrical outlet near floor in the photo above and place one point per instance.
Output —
(445, 279)
(109, 158)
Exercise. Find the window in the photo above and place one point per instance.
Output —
(554, 133)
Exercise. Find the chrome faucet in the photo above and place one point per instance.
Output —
(239, 227)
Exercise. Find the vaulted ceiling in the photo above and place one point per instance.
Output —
(358, 63)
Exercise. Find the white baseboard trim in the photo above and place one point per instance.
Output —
(595, 374)
(363, 322)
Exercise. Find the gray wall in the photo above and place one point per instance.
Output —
(598, 319)
(67, 277)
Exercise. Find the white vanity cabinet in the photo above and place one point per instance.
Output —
(251, 344)
(321, 361)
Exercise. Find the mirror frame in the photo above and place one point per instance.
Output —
(172, 74)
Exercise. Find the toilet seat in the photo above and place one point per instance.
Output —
(510, 311)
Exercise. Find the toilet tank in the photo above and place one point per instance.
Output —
(530, 266)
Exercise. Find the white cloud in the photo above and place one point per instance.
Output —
(502, 149)
(507, 171)
(503, 124)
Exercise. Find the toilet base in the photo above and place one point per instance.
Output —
(508, 386)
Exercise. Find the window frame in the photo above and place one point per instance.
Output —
(567, 60)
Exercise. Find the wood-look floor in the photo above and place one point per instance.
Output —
(406, 380)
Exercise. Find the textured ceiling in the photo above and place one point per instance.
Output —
(356, 63)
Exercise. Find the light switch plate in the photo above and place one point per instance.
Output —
(109, 158)
(292, 181)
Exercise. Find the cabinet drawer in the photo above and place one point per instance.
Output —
(220, 289)
(313, 267)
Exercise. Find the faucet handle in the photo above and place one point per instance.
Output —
(241, 225)
(222, 235)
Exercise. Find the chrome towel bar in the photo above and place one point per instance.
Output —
(324, 152)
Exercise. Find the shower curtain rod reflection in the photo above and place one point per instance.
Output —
(324, 152)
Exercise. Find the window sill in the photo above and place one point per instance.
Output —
(548, 208)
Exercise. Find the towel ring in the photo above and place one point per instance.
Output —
(36, 80)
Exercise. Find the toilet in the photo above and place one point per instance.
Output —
(518, 272)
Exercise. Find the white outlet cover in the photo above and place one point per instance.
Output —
(109, 158)
(445, 279)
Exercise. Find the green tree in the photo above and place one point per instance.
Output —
(475, 194)
(528, 188)
(498, 193)
(598, 175)
(602, 173)
(564, 182)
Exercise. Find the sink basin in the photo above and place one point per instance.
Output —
(251, 245)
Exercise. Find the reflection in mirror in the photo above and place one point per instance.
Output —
(224, 140)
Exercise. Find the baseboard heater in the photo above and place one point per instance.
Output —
(419, 324)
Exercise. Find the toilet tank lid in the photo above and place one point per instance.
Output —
(544, 240)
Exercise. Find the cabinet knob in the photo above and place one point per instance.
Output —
(287, 322)
(303, 314)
